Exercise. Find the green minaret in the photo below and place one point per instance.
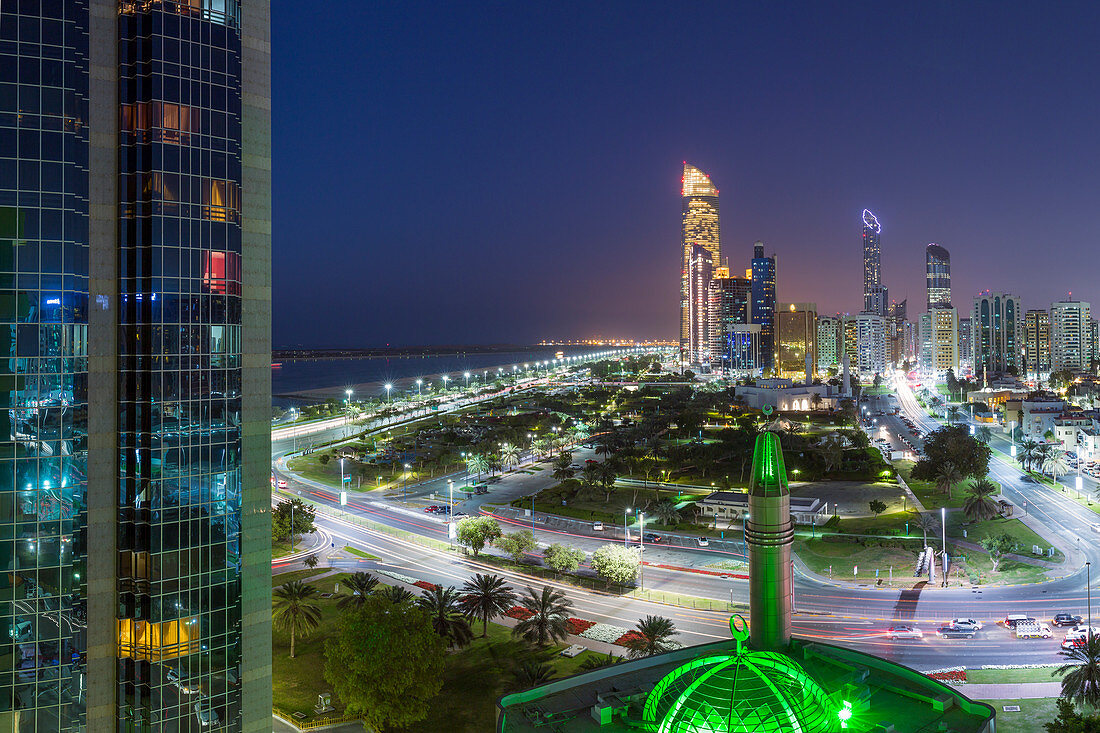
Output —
(768, 534)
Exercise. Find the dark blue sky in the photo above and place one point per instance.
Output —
(481, 172)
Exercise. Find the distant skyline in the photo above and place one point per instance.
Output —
(509, 173)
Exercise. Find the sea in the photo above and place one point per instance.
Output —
(298, 381)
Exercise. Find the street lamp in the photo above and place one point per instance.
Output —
(445, 379)
(418, 383)
(641, 548)
(388, 388)
(406, 489)
(466, 376)
(626, 526)
(1088, 593)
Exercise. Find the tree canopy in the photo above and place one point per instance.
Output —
(385, 662)
(475, 532)
(953, 444)
(616, 563)
(281, 514)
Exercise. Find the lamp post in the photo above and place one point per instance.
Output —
(419, 382)
(406, 487)
(943, 541)
(466, 376)
(626, 527)
(445, 380)
(451, 508)
(641, 548)
(1088, 592)
(388, 388)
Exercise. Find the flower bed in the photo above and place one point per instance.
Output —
(699, 571)
(398, 576)
(627, 638)
(603, 632)
(425, 585)
(578, 626)
(955, 675)
(519, 613)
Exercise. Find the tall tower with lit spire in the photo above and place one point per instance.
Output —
(699, 226)
(769, 532)
(875, 299)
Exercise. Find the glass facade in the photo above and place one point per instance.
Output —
(797, 338)
(763, 303)
(44, 370)
(700, 226)
(729, 305)
(873, 302)
(938, 276)
(179, 360)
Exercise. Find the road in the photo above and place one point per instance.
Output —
(854, 616)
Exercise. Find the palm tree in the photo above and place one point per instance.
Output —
(984, 434)
(563, 473)
(1055, 463)
(549, 619)
(1029, 451)
(979, 504)
(509, 455)
(652, 635)
(293, 611)
(666, 512)
(947, 476)
(485, 597)
(1081, 673)
(928, 523)
(361, 585)
(532, 674)
(815, 401)
(478, 462)
(953, 413)
(590, 477)
(396, 595)
(1042, 455)
(595, 661)
(446, 616)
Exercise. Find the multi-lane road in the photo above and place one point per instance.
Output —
(848, 614)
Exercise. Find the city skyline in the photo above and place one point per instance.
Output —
(944, 149)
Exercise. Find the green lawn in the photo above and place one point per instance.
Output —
(360, 553)
(931, 497)
(1008, 676)
(277, 580)
(856, 562)
(1033, 714)
(1014, 528)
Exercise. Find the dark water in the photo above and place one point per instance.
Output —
(295, 377)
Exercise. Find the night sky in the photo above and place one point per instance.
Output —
(481, 173)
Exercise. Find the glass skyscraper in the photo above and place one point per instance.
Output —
(938, 276)
(763, 303)
(699, 226)
(875, 295)
(135, 257)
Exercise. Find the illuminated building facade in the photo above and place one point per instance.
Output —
(797, 339)
(829, 348)
(996, 328)
(966, 348)
(875, 296)
(729, 306)
(135, 238)
(700, 274)
(869, 333)
(763, 302)
(937, 261)
(897, 318)
(1037, 341)
(1070, 335)
(944, 339)
(744, 349)
(699, 226)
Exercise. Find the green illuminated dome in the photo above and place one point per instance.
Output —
(743, 692)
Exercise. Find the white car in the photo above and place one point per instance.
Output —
(965, 623)
(702, 541)
(597, 526)
(904, 632)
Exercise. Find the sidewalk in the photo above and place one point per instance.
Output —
(1012, 691)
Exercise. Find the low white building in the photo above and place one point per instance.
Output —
(1038, 416)
(784, 394)
(731, 506)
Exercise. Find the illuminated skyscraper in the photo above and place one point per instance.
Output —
(1070, 335)
(699, 226)
(938, 276)
(897, 318)
(135, 515)
(729, 306)
(1037, 341)
(996, 330)
(763, 302)
(829, 348)
(797, 339)
(700, 274)
(875, 295)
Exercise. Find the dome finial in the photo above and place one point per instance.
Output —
(739, 629)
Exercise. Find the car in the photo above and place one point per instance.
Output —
(965, 623)
(1033, 630)
(281, 483)
(597, 526)
(1065, 619)
(702, 541)
(954, 632)
(430, 509)
(904, 632)
(650, 537)
(481, 489)
(1077, 641)
(459, 515)
(1012, 619)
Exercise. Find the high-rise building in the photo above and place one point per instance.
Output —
(875, 297)
(944, 338)
(729, 306)
(1069, 335)
(1037, 341)
(924, 343)
(938, 276)
(829, 348)
(744, 349)
(763, 302)
(135, 241)
(996, 331)
(700, 274)
(699, 226)
(966, 349)
(897, 317)
(1094, 343)
(870, 342)
(796, 330)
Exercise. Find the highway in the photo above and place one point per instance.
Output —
(855, 616)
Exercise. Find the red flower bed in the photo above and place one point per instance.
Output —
(715, 573)
(622, 640)
(578, 626)
(958, 675)
(425, 585)
(519, 613)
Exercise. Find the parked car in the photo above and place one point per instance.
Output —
(459, 515)
(702, 541)
(281, 483)
(430, 509)
(597, 526)
(904, 632)
(650, 537)
(481, 490)
(1065, 619)
(956, 632)
(965, 623)
(1033, 630)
